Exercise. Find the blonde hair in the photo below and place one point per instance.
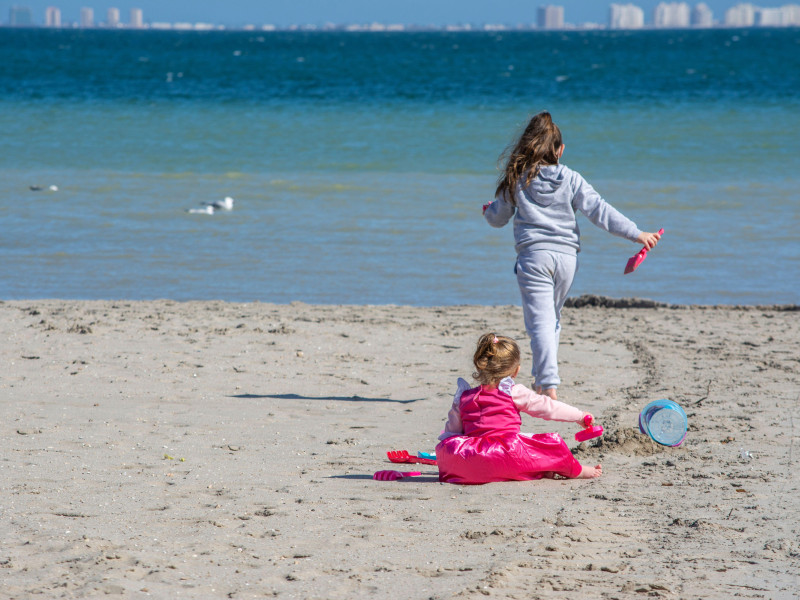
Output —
(496, 357)
(538, 145)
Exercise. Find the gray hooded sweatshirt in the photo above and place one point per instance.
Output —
(545, 215)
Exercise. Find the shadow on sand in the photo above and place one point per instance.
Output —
(328, 398)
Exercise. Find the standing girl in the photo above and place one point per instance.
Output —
(481, 441)
(544, 197)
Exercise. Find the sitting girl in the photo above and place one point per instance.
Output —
(482, 442)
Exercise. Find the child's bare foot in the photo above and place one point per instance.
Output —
(590, 472)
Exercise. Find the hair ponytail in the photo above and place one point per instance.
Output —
(538, 145)
(495, 357)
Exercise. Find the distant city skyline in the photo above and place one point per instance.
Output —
(630, 15)
(238, 13)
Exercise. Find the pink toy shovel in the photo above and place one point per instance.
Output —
(638, 258)
(392, 475)
(591, 431)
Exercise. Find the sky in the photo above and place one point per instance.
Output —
(318, 12)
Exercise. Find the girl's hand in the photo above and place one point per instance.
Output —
(648, 240)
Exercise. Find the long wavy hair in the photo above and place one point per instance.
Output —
(538, 145)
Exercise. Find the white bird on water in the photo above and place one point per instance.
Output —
(226, 204)
(211, 207)
(206, 210)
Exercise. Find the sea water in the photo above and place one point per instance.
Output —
(359, 162)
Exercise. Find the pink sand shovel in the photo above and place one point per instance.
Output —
(393, 475)
(638, 258)
(591, 431)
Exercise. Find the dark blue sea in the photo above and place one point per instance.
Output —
(359, 162)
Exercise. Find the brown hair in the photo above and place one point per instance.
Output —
(538, 145)
(496, 357)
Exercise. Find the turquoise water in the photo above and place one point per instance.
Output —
(359, 162)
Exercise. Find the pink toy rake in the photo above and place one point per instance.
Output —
(591, 431)
(638, 258)
(402, 456)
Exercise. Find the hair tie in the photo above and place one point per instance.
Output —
(495, 340)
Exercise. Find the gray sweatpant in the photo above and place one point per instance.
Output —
(544, 278)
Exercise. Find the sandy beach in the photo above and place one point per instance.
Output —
(217, 450)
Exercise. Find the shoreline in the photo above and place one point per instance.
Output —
(582, 301)
(209, 449)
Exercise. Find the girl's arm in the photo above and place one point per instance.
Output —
(454, 426)
(499, 212)
(600, 212)
(544, 407)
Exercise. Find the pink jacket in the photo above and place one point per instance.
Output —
(470, 416)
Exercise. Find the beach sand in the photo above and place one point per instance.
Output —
(218, 450)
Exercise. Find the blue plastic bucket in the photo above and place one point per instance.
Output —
(664, 421)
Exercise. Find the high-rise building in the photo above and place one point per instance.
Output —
(769, 17)
(785, 16)
(791, 15)
(20, 16)
(87, 17)
(112, 17)
(625, 16)
(702, 16)
(550, 17)
(671, 14)
(741, 15)
(52, 17)
(137, 22)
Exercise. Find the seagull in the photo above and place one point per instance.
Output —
(226, 204)
(209, 208)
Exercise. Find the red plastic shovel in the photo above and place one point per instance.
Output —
(637, 259)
